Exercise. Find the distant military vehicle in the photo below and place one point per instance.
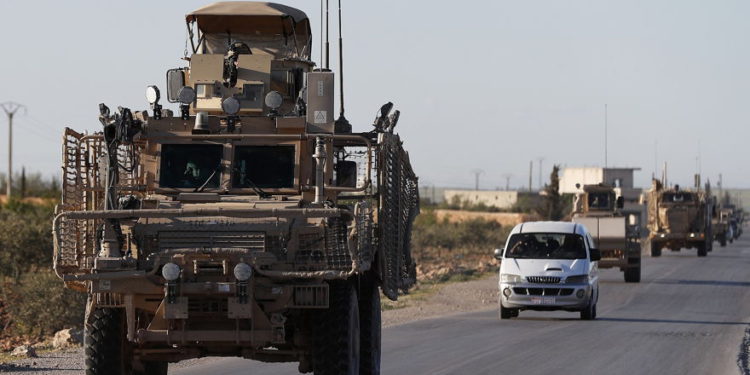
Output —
(679, 219)
(616, 231)
(721, 226)
(251, 224)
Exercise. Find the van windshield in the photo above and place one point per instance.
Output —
(546, 246)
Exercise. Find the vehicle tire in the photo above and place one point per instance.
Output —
(655, 249)
(505, 313)
(589, 313)
(633, 274)
(369, 327)
(104, 341)
(516, 312)
(702, 250)
(723, 240)
(336, 332)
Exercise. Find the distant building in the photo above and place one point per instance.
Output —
(502, 199)
(616, 177)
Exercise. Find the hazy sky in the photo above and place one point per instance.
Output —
(481, 84)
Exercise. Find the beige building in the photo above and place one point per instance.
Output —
(617, 177)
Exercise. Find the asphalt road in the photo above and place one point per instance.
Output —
(688, 315)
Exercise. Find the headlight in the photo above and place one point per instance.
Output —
(230, 106)
(152, 94)
(577, 279)
(186, 95)
(510, 278)
(242, 271)
(274, 100)
(170, 271)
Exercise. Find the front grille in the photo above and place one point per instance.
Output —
(311, 296)
(228, 239)
(201, 306)
(543, 279)
(543, 291)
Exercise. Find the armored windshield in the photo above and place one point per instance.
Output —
(190, 166)
(546, 246)
(600, 201)
(263, 167)
(678, 197)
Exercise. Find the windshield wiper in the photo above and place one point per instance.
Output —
(255, 188)
(203, 186)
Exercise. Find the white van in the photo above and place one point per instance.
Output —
(549, 266)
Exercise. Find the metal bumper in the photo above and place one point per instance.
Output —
(546, 302)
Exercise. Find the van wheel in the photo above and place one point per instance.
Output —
(633, 274)
(655, 249)
(589, 313)
(336, 333)
(505, 313)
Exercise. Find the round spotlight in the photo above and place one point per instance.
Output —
(274, 100)
(230, 106)
(243, 272)
(580, 293)
(186, 95)
(170, 271)
(506, 292)
(152, 94)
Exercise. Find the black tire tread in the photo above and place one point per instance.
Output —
(330, 331)
(369, 327)
(102, 342)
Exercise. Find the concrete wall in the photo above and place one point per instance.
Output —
(491, 198)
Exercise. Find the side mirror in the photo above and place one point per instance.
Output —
(499, 254)
(620, 202)
(175, 81)
(596, 255)
(346, 173)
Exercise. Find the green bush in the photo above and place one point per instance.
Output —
(470, 235)
(25, 238)
(39, 304)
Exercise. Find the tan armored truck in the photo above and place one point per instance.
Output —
(722, 229)
(616, 231)
(249, 224)
(679, 219)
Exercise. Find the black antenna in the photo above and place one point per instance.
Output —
(328, 60)
(341, 125)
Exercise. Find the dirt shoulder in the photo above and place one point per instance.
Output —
(427, 301)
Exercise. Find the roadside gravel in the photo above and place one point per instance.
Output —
(432, 301)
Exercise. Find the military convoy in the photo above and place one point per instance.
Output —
(679, 219)
(250, 223)
(616, 231)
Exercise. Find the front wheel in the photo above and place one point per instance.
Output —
(589, 313)
(369, 327)
(505, 313)
(336, 333)
(655, 249)
(633, 274)
(702, 251)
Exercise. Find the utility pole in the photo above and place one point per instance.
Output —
(10, 109)
(605, 136)
(477, 172)
(507, 181)
(531, 172)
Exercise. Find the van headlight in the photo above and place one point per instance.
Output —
(577, 279)
(510, 278)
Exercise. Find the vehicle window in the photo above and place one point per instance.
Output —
(190, 166)
(599, 200)
(677, 197)
(546, 246)
(263, 167)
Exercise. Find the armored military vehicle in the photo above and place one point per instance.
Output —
(616, 231)
(250, 223)
(721, 226)
(679, 219)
